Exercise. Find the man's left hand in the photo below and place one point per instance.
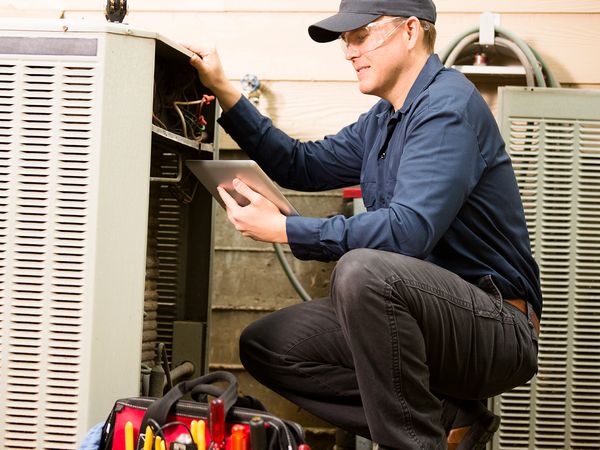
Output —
(260, 220)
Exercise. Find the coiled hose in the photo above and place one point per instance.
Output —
(527, 55)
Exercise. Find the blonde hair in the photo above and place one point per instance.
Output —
(429, 35)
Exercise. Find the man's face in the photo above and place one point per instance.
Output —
(377, 53)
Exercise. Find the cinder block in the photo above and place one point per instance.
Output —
(257, 279)
(310, 205)
(249, 282)
(226, 326)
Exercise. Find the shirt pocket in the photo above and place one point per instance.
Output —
(369, 194)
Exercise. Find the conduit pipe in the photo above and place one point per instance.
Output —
(503, 37)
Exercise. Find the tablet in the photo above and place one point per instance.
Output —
(213, 173)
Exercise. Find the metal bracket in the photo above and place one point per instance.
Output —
(488, 22)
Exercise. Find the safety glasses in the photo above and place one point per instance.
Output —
(369, 37)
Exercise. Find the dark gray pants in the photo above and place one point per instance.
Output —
(396, 335)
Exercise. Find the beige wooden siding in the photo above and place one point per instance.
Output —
(443, 6)
(276, 46)
(309, 87)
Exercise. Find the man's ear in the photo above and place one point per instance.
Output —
(413, 31)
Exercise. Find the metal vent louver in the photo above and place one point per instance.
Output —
(75, 141)
(165, 248)
(169, 248)
(45, 121)
(553, 137)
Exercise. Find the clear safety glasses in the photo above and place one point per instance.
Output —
(369, 37)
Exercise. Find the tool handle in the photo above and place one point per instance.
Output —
(159, 409)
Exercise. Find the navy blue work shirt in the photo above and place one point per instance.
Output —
(435, 177)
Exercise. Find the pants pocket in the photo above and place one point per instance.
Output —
(489, 305)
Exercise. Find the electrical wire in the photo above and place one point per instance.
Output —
(180, 113)
(290, 273)
(156, 428)
(159, 431)
(194, 119)
(174, 423)
(158, 121)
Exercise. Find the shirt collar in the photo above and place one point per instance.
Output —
(432, 67)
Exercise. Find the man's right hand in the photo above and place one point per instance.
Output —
(210, 70)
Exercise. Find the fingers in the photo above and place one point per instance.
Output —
(196, 62)
(205, 59)
(200, 50)
(241, 188)
(229, 201)
(260, 220)
(199, 53)
(245, 190)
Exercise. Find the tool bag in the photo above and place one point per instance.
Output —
(170, 418)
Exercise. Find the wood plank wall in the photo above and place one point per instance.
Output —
(309, 88)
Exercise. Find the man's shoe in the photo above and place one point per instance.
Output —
(475, 436)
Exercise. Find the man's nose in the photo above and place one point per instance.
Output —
(351, 52)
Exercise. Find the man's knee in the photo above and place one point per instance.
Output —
(353, 267)
(250, 347)
(368, 273)
(356, 276)
(264, 340)
(360, 267)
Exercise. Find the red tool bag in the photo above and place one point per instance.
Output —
(225, 422)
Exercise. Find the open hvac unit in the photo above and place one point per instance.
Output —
(96, 261)
(553, 137)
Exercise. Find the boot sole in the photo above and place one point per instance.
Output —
(480, 433)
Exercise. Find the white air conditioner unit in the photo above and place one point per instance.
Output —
(553, 137)
(76, 106)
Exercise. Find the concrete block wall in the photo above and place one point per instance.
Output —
(249, 282)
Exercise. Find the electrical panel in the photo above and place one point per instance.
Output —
(105, 239)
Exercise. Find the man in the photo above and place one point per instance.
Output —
(435, 298)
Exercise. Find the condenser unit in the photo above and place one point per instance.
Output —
(86, 121)
(553, 137)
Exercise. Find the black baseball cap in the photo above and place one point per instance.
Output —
(354, 14)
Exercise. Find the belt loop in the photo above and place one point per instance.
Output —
(530, 319)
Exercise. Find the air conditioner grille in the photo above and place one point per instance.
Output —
(46, 120)
(586, 358)
(557, 164)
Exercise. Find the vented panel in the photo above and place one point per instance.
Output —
(164, 257)
(556, 157)
(170, 248)
(586, 358)
(45, 125)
